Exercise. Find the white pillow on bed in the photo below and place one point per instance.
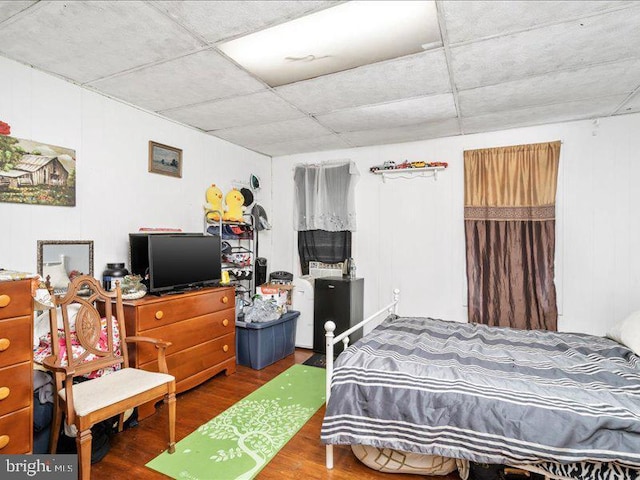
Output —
(627, 332)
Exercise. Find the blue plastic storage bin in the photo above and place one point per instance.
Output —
(263, 343)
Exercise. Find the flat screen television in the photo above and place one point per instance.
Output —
(182, 262)
(139, 251)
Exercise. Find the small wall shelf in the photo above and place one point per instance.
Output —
(409, 172)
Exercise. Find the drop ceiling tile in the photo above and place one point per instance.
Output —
(9, 9)
(393, 114)
(194, 78)
(411, 76)
(630, 106)
(258, 108)
(314, 144)
(259, 135)
(608, 37)
(409, 133)
(235, 18)
(561, 112)
(557, 87)
(472, 20)
(84, 41)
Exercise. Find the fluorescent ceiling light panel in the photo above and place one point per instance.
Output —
(349, 35)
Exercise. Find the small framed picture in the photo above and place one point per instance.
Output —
(165, 160)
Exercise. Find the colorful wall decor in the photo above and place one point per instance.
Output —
(36, 173)
(5, 128)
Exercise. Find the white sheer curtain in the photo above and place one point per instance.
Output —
(325, 196)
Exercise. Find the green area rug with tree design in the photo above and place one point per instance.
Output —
(239, 442)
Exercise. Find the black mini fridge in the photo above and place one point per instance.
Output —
(339, 299)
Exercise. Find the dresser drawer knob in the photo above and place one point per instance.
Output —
(225, 299)
(225, 348)
(4, 344)
(225, 322)
(159, 314)
(4, 300)
(4, 392)
(4, 441)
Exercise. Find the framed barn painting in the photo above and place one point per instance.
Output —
(165, 160)
(36, 173)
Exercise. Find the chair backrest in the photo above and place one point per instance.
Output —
(86, 348)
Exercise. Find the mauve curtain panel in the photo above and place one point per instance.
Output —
(509, 215)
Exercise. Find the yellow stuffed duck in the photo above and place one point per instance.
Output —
(235, 206)
(213, 207)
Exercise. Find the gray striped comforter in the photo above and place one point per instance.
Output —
(491, 395)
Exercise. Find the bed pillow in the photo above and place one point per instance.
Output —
(627, 332)
(58, 275)
(395, 461)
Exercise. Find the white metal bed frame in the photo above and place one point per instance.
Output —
(329, 328)
(332, 340)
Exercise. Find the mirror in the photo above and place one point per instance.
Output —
(62, 259)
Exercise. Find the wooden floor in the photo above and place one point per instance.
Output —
(300, 459)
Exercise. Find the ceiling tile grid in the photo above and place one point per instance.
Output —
(393, 114)
(579, 43)
(84, 41)
(9, 9)
(554, 87)
(512, 64)
(214, 21)
(199, 77)
(632, 105)
(253, 136)
(258, 108)
(421, 131)
(560, 112)
(472, 20)
(410, 76)
(313, 144)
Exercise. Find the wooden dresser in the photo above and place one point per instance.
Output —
(16, 368)
(199, 324)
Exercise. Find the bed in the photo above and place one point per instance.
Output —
(563, 404)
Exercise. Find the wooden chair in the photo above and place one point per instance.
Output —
(86, 403)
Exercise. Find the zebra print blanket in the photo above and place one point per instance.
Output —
(485, 394)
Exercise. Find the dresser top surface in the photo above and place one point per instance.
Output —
(150, 298)
(13, 275)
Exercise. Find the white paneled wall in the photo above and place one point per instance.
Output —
(115, 192)
(411, 232)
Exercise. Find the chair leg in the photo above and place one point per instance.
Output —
(120, 422)
(83, 443)
(56, 424)
(170, 400)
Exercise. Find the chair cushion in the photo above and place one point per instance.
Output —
(98, 393)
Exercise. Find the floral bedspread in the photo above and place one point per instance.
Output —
(43, 350)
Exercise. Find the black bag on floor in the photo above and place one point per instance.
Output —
(100, 436)
(100, 441)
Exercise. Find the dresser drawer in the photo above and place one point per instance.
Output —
(190, 332)
(16, 341)
(16, 390)
(196, 359)
(177, 309)
(15, 299)
(15, 432)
